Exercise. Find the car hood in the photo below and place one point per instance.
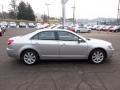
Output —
(12, 24)
(98, 42)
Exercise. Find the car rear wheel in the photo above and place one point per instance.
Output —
(78, 31)
(97, 56)
(30, 57)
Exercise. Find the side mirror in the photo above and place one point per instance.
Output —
(80, 40)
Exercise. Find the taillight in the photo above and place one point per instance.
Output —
(10, 41)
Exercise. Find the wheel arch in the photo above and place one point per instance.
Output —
(31, 50)
(105, 52)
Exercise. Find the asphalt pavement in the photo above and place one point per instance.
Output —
(60, 75)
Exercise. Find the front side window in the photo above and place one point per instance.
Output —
(67, 36)
(45, 35)
(61, 27)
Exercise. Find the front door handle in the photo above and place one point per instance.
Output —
(63, 44)
(36, 43)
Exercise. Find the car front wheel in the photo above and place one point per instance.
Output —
(0, 34)
(89, 31)
(29, 57)
(97, 56)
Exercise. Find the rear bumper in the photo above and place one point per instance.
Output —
(12, 53)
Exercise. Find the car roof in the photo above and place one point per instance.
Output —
(41, 30)
(52, 30)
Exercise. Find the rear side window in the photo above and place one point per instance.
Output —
(45, 35)
(67, 36)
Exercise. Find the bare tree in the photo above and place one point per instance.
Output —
(13, 9)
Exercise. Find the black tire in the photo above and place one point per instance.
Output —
(89, 31)
(78, 31)
(29, 57)
(97, 56)
(0, 34)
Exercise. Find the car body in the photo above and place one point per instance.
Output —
(94, 27)
(38, 25)
(58, 44)
(71, 28)
(45, 25)
(31, 25)
(115, 29)
(51, 26)
(59, 27)
(42, 26)
(1, 32)
(100, 28)
(88, 26)
(82, 30)
(4, 23)
(12, 25)
(64, 27)
(3, 28)
(22, 25)
(107, 28)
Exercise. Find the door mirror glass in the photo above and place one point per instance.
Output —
(80, 40)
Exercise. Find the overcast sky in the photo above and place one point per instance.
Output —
(84, 8)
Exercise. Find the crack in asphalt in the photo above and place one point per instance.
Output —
(85, 81)
(100, 80)
(21, 85)
(82, 79)
(54, 82)
(32, 81)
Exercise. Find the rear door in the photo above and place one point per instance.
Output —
(47, 45)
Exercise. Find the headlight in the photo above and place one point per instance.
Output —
(110, 47)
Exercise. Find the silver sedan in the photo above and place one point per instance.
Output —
(58, 44)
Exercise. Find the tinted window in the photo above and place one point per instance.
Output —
(45, 35)
(61, 27)
(35, 37)
(67, 36)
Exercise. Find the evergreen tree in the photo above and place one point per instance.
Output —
(4, 15)
(30, 13)
(22, 11)
(12, 15)
(25, 12)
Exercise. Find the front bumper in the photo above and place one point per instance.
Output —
(110, 53)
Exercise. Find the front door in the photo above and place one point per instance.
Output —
(70, 47)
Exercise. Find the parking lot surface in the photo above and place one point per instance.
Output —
(60, 75)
